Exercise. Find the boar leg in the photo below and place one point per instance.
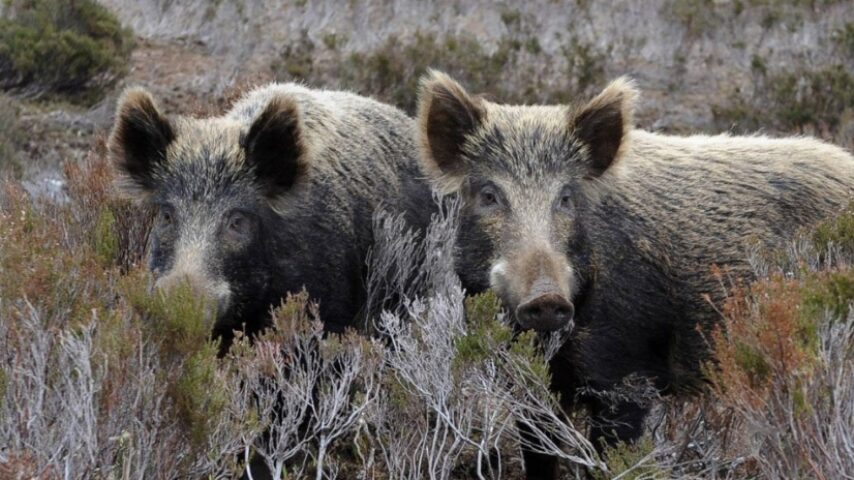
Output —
(538, 466)
(611, 424)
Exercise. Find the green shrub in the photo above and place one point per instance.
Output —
(200, 393)
(632, 461)
(844, 37)
(837, 232)
(487, 335)
(802, 100)
(9, 133)
(585, 64)
(832, 292)
(61, 47)
(485, 331)
(391, 71)
(105, 240)
(177, 316)
(697, 16)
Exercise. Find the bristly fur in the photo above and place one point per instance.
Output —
(447, 115)
(275, 148)
(141, 126)
(297, 173)
(454, 126)
(627, 226)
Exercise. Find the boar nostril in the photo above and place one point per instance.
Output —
(545, 313)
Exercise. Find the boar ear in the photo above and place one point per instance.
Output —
(139, 139)
(447, 115)
(603, 125)
(275, 148)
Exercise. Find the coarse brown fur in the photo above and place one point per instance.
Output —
(298, 173)
(277, 195)
(575, 204)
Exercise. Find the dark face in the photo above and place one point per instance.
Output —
(210, 232)
(213, 198)
(526, 176)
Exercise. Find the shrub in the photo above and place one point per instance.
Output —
(836, 235)
(785, 362)
(391, 71)
(844, 37)
(633, 461)
(9, 133)
(697, 16)
(61, 47)
(103, 376)
(802, 101)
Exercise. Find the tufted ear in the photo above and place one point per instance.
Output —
(447, 115)
(603, 125)
(275, 148)
(139, 139)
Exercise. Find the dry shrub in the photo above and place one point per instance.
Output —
(766, 341)
(103, 377)
(118, 228)
(785, 362)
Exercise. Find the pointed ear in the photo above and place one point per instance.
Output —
(275, 148)
(447, 115)
(139, 139)
(603, 125)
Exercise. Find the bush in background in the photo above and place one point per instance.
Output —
(70, 48)
(391, 71)
(9, 135)
(816, 102)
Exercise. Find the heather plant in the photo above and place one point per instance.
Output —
(785, 358)
(103, 376)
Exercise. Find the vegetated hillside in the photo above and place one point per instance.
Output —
(695, 59)
(739, 65)
(103, 380)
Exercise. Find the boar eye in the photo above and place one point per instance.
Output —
(238, 225)
(488, 196)
(564, 201)
(167, 216)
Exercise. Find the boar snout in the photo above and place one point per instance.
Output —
(545, 313)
